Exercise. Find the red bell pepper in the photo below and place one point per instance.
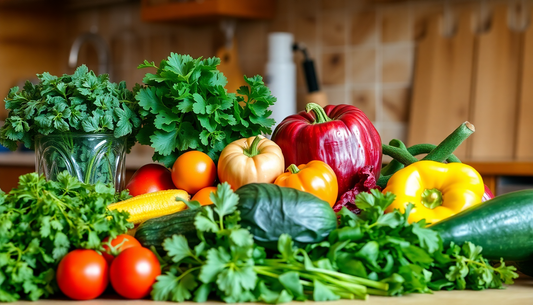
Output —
(340, 135)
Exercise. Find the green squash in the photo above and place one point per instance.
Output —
(269, 210)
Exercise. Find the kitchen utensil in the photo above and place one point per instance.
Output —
(229, 65)
(314, 94)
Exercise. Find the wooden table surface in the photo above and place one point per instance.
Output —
(520, 293)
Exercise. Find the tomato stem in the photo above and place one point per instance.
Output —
(321, 116)
(253, 150)
(293, 169)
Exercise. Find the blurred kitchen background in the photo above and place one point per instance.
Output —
(417, 68)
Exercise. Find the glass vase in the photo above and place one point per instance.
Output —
(91, 158)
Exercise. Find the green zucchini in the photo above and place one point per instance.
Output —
(503, 226)
(154, 231)
(269, 210)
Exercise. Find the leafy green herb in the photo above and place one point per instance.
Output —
(368, 254)
(229, 263)
(82, 102)
(186, 106)
(41, 221)
(409, 257)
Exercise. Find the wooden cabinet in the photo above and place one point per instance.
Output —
(493, 171)
(200, 11)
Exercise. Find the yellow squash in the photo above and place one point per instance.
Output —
(152, 205)
(248, 160)
(437, 190)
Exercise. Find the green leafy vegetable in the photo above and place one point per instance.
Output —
(236, 270)
(41, 221)
(368, 254)
(82, 102)
(186, 106)
(409, 257)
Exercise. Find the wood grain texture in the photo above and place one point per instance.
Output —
(207, 10)
(496, 90)
(521, 293)
(524, 134)
(442, 82)
(229, 65)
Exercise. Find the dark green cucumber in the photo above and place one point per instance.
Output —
(154, 231)
(269, 210)
(503, 226)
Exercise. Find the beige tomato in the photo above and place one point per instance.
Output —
(248, 160)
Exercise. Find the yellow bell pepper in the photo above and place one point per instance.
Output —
(437, 190)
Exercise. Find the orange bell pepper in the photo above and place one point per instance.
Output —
(315, 177)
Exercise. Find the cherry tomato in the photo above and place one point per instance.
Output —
(119, 244)
(133, 272)
(150, 178)
(193, 171)
(202, 195)
(82, 274)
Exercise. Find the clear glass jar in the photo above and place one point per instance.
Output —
(89, 157)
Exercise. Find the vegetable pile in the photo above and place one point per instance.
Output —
(228, 214)
(41, 221)
(373, 253)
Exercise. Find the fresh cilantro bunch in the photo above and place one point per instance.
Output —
(368, 254)
(82, 102)
(41, 221)
(185, 106)
(228, 265)
(409, 257)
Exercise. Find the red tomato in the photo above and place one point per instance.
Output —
(133, 272)
(119, 244)
(82, 274)
(193, 171)
(150, 178)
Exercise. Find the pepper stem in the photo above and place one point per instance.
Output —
(402, 155)
(321, 116)
(253, 151)
(432, 198)
(293, 169)
(448, 145)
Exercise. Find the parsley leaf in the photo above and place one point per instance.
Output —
(81, 102)
(185, 106)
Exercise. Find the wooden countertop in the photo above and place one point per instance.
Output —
(520, 293)
(503, 168)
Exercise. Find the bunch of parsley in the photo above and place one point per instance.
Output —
(368, 254)
(185, 106)
(227, 264)
(409, 257)
(82, 102)
(41, 221)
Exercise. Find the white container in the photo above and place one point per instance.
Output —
(281, 75)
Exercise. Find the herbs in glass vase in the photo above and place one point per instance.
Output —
(82, 123)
